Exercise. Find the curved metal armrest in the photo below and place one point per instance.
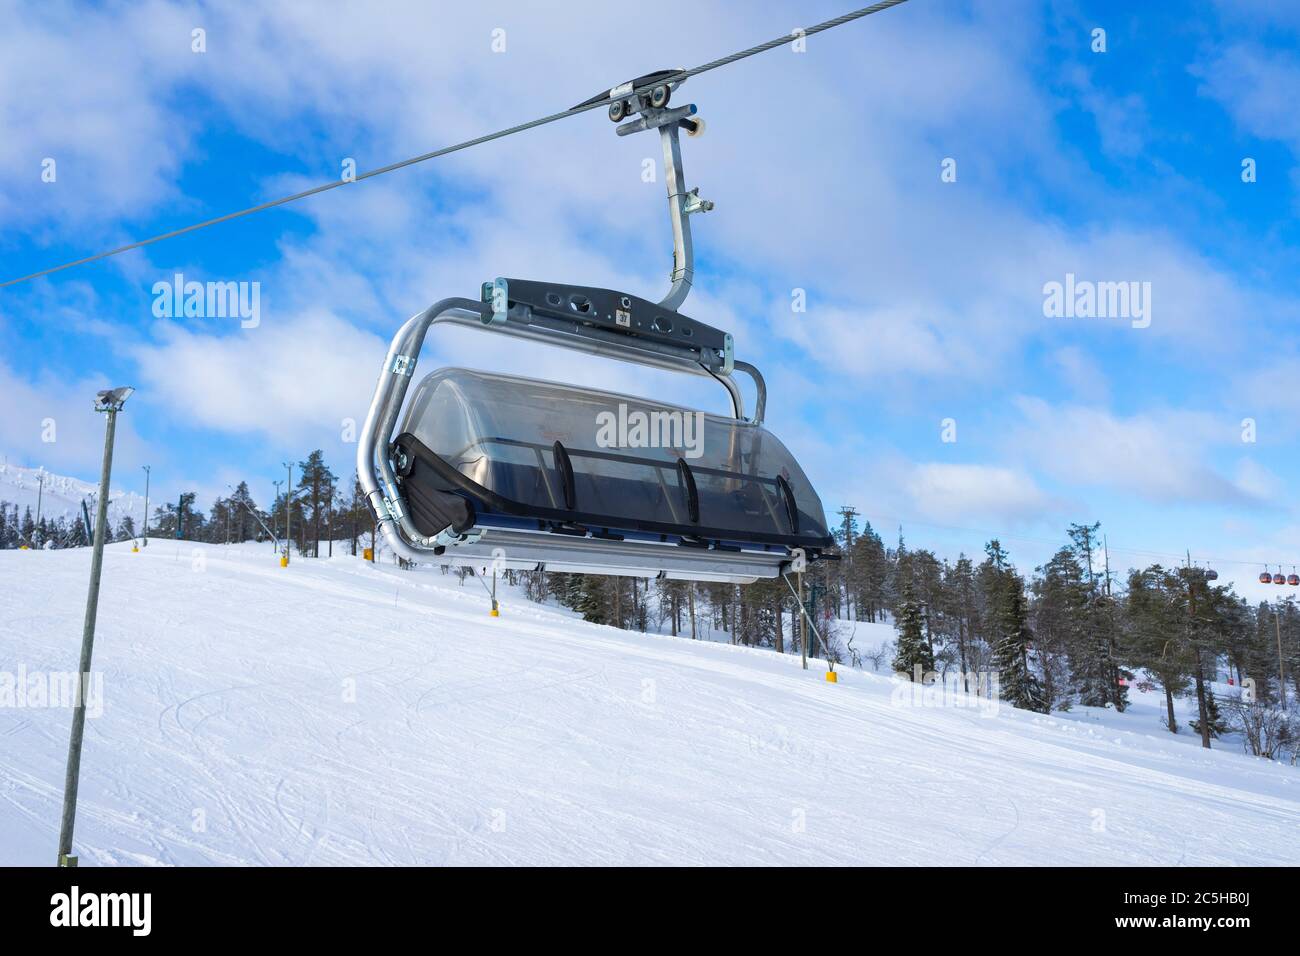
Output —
(760, 390)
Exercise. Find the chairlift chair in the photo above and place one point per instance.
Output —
(502, 470)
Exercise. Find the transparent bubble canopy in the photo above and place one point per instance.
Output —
(606, 462)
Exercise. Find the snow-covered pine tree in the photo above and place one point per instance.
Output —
(1155, 617)
(1094, 671)
(1018, 685)
(1218, 725)
(316, 486)
(67, 535)
(125, 529)
(959, 601)
(913, 650)
(592, 599)
(1058, 607)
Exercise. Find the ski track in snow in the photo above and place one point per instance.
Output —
(337, 712)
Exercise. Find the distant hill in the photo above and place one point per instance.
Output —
(62, 496)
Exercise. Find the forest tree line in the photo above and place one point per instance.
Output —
(1071, 632)
(318, 511)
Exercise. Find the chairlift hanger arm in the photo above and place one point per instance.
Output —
(519, 321)
(649, 96)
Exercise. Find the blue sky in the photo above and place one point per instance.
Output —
(925, 297)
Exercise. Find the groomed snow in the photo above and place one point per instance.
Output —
(230, 735)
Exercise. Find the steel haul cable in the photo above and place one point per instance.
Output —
(477, 141)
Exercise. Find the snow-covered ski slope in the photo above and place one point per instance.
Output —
(340, 713)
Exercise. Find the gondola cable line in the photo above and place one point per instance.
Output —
(664, 77)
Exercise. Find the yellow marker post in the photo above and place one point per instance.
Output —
(833, 677)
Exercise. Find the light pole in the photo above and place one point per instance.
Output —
(274, 521)
(147, 469)
(109, 401)
(288, 514)
(40, 496)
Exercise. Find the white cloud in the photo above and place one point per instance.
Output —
(282, 379)
(52, 407)
(1082, 374)
(1123, 126)
(1256, 85)
(969, 492)
(1268, 394)
(1159, 457)
(94, 99)
(1260, 482)
(872, 344)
